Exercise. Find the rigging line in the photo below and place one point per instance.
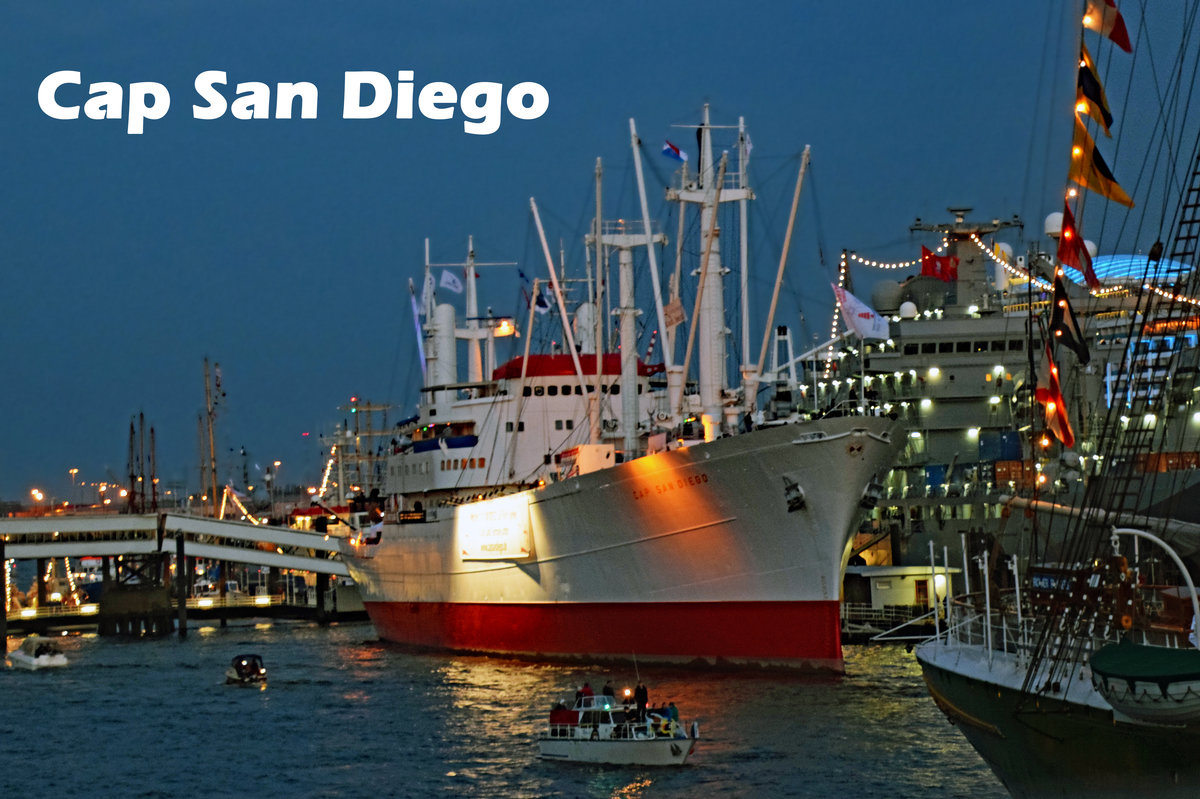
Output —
(1046, 172)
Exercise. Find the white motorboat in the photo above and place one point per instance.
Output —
(599, 729)
(37, 653)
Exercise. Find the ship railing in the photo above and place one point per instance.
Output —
(627, 730)
(1006, 631)
(850, 407)
(905, 630)
(629, 227)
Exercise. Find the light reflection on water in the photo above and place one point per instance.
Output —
(345, 716)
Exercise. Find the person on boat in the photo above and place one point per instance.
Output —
(641, 698)
(608, 689)
(672, 712)
(1192, 634)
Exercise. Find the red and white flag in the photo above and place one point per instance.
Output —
(1103, 17)
(859, 317)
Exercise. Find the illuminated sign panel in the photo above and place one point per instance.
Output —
(495, 529)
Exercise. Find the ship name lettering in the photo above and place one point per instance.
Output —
(678, 484)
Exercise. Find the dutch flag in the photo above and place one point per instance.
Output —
(671, 151)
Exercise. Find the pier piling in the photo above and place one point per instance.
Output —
(181, 585)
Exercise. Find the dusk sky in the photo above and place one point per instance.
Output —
(282, 248)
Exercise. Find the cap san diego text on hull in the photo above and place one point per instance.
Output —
(586, 503)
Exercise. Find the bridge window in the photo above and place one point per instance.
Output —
(981, 346)
(527, 391)
(508, 427)
(482, 465)
(567, 389)
(962, 346)
(945, 346)
(928, 348)
(558, 424)
(570, 424)
(552, 391)
(539, 391)
(911, 349)
(616, 389)
(1015, 345)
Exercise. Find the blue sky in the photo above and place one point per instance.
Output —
(282, 249)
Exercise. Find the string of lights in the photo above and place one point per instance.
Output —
(896, 264)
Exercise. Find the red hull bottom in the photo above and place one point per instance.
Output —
(777, 634)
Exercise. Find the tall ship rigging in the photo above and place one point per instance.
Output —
(587, 503)
(1069, 659)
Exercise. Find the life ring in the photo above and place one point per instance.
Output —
(1126, 621)
(664, 727)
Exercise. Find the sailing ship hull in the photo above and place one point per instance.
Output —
(728, 552)
(1072, 746)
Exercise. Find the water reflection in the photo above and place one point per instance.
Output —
(347, 716)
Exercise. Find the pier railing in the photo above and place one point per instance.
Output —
(193, 603)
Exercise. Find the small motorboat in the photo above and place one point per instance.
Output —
(599, 729)
(37, 653)
(246, 670)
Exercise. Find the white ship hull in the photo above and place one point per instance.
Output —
(721, 553)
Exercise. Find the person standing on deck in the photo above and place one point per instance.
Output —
(641, 698)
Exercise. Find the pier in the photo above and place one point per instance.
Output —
(148, 569)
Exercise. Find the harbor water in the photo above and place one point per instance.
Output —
(344, 715)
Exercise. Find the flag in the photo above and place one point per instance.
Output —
(540, 303)
(671, 151)
(1072, 251)
(450, 281)
(1064, 325)
(1089, 92)
(943, 267)
(412, 294)
(1049, 393)
(1103, 17)
(859, 317)
(1089, 170)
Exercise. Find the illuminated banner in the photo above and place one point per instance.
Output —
(495, 529)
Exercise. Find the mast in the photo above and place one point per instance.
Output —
(749, 382)
(594, 397)
(751, 379)
(709, 321)
(211, 417)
